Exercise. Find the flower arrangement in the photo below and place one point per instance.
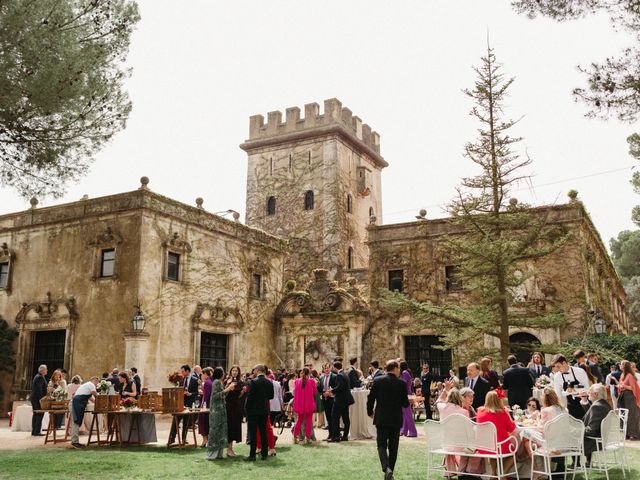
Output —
(59, 394)
(518, 414)
(103, 387)
(175, 378)
(128, 402)
(543, 381)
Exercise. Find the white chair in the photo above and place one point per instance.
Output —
(563, 437)
(623, 413)
(609, 446)
(458, 436)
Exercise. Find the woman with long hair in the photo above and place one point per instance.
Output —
(217, 440)
(127, 386)
(408, 424)
(488, 373)
(203, 418)
(233, 402)
(57, 380)
(629, 398)
(304, 404)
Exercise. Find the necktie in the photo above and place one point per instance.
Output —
(472, 383)
(326, 382)
(538, 369)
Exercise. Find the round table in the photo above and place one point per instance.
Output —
(361, 424)
(22, 419)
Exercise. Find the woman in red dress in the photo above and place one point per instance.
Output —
(494, 412)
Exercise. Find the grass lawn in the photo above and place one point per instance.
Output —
(351, 461)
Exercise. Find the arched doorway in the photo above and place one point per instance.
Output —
(523, 345)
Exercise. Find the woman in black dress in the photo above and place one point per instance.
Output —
(127, 386)
(234, 409)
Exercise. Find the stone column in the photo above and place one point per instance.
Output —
(136, 345)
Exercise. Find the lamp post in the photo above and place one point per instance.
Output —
(599, 324)
(138, 320)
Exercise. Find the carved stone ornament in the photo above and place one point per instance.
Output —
(215, 314)
(396, 260)
(258, 266)
(47, 311)
(547, 288)
(5, 253)
(177, 244)
(107, 238)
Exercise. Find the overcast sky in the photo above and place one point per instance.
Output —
(201, 68)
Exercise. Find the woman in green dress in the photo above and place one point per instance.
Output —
(217, 416)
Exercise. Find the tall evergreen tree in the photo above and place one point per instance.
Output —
(496, 234)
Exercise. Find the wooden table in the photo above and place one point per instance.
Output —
(95, 426)
(51, 427)
(176, 420)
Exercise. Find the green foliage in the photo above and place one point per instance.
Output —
(613, 86)
(610, 348)
(7, 354)
(61, 87)
(625, 252)
(497, 234)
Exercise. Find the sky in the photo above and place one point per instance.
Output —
(201, 68)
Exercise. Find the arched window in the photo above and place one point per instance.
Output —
(371, 214)
(349, 203)
(350, 258)
(308, 200)
(271, 205)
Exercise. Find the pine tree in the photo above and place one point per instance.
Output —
(496, 235)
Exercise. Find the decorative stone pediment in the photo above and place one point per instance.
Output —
(175, 243)
(6, 255)
(322, 295)
(216, 314)
(257, 265)
(108, 238)
(396, 260)
(51, 312)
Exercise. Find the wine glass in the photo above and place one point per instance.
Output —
(196, 403)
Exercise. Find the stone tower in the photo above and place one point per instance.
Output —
(315, 181)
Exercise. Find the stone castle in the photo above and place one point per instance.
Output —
(297, 283)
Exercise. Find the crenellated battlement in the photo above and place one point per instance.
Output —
(335, 117)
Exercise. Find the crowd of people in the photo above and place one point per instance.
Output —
(307, 400)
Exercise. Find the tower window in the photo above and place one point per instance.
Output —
(452, 278)
(350, 258)
(271, 205)
(256, 285)
(271, 166)
(371, 213)
(349, 203)
(4, 274)
(396, 280)
(107, 262)
(173, 266)
(308, 200)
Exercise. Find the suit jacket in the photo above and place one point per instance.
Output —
(377, 373)
(342, 390)
(115, 382)
(480, 390)
(354, 380)
(544, 370)
(260, 393)
(389, 394)
(136, 380)
(425, 384)
(594, 416)
(595, 371)
(190, 385)
(518, 382)
(332, 382)
(38, 390)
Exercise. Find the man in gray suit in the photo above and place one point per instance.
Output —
(596, 411)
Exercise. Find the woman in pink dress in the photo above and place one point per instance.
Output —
(304, 404)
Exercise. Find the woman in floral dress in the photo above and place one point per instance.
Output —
(217, 441)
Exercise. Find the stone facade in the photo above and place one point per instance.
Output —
(215, 291)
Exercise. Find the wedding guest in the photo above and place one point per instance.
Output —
(115, 382)
(629, 398)
(592, 361)
(612, 381)
(260, 392)
(292, 383)
(565, 381)
(488, 373)
(450, 401)
(136, 379)
(579, 357)
(217, 440)
(57, 381)
(551, 408)
(593, 417)
(342, 398)
(408, 424)
(354, 377)
(203, 418)
(493, 412)
(533, 408)
(304, 405)
(377, 371)
(78, 407)
(276, 405)
(233, 401)
(38, 391)
(467, 402)
(517, 382)
(327, 382)
(426, 379)
(453, 377)
(127, 386)
(318, 415)
(592, 379)
(476, 383)
(190, 386)
(76, 381)
(385, 403)
(537, 366)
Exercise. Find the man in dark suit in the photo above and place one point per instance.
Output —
(327, 382)
(377, 371)
(342, 398)
(425, 383)
(592, 362)
(537, 367)
(354, 378)
(476, 383)
(38, 390)
(190, 385)
(518, 382)
(593, 418)
(115, 381)
(389, 395)
(257, 406)
(136, 380)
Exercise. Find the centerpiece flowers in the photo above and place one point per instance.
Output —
(518, 414)
(543, 381)
(175, 378)
(59, 394)
(103, 387)
(128, 402)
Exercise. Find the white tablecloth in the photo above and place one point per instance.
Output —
(361, 424)
(22, 419)
(147, 427)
